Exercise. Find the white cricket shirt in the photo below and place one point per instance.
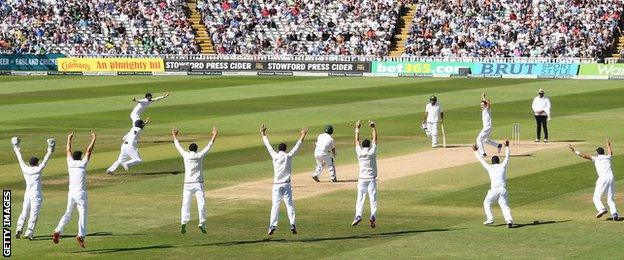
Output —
(32, 174)
(324, 144)
(77, 174)
(433, 112)
(603, 166)
(193, 163)
(132, 137)
(141, 106)
(496, 172)
(486, 117)
(367, 158)
(541, 104)
(282, 161)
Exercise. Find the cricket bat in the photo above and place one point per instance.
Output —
(443, 135)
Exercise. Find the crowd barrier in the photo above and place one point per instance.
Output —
(54, 64)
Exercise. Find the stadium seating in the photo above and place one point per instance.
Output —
(316, 27)
(514, 28)
(95, 27)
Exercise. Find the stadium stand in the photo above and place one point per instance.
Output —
(96, 26)
(515, 28)
(314, 27)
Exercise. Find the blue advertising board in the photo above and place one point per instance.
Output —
(29, 62)
(537, 69)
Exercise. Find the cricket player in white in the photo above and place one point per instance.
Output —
(282, 168)
(142, 104)
(484, 135)
(434, 114)
(367, 180)
(541, 110)
(129, 155)
(605, 181)
(498, 191)
(193, 179)
(324, 153)
(33, 196)
(77, 195)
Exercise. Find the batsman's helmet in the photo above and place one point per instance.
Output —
(329, 129)
(433, 98)
(139, 123)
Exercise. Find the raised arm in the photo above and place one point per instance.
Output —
(487, 101)
(15, 141)
(265, 140)
(135, 100)
(147, 121)
(161, 97)
(295, 149)
(68, 148)
(357, 133)
(373, 127)
(176, 143)
(582, 155)
(609, 148)
(507, 153)
(46, 158)
(91, 146)
(215, 132)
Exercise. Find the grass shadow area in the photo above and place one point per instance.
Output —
(96, 234)
(534, 223)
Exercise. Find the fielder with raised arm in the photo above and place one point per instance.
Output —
(33, 196)
(434, 114)
(142, 104)
(193, 179)
(77, 195)
(282, 168)
(486, 131)
(129, 155)
(324, 153)
(367, 180)
(605, 181)
(498, 191)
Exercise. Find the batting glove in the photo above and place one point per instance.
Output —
(51, 144)
(15, 141)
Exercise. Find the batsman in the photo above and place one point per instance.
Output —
(434, 115)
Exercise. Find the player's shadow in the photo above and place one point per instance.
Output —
(521, 155)
(96, 234)
(375, 235)
(534, 223)
(123, 249)
(567, 141)
(157, 173)
(611, 219)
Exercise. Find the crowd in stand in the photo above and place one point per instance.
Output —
(514, 28)
(316, 27)
(95, 26)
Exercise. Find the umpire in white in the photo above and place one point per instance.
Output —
(541, 109)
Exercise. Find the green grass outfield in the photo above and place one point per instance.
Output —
(434, 214)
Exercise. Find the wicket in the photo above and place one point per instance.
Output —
(515, 133)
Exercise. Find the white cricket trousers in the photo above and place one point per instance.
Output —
(76, 199)
(499, 194)
(324, 160)
(128, 156)
(187, 194)
(484, 137)
(601, 186)
(134, 117)
(281, 192)
(364, 186)
(432, 129)
(30, 210)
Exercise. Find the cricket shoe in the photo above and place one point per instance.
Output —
(293, 229)
(316, 179)
(536, 140)
(601, 213)
(488, 222)
(125, 166)
(183, 229)
(109, 172)
(202, 228)
(500, 148)
(373, 223)
(29, 235)
(334, 179)
(545, 140)
(615, 217)
(356, 221)
(18, 233)
(271, 230)
(56, 237)
(510, 225)
(80, 241)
